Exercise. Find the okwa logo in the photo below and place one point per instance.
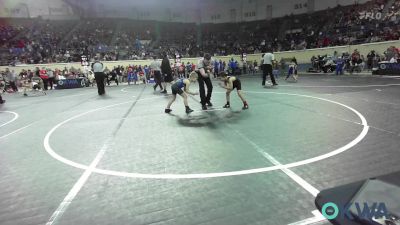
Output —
(360, 210)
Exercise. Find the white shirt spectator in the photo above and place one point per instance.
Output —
(268, 58)
(155, 65)
(50, 73)
(98, 67)
(12, 76)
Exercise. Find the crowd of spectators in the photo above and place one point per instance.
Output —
(10, 81)
(43, 41)
(354, 62)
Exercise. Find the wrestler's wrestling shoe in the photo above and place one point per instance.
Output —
(188, 110)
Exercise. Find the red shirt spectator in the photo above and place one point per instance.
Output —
(326, 42)
(43, 74)
(181, 68)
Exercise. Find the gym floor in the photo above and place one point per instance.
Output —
(73, 157)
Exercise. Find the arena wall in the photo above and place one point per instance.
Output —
(222, 11)
(302, 56)
(34, 8)
(203, 11)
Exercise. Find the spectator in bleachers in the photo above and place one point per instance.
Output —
(216, 68)
(370, 58)
(51, 78)
(12, 79)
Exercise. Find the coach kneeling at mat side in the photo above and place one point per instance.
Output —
(203, 70)
(98, 69)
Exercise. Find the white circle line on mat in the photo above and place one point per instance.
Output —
(363, 133)
(12, 120)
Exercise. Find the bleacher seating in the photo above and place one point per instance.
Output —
(43, 41)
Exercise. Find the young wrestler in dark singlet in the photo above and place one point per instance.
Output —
(230, 83)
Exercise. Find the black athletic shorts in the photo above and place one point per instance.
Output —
(237, 84)
(157, 76)
(176, 90)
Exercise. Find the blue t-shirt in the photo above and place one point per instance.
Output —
(232, 64)
(339, 62)
(216, 65)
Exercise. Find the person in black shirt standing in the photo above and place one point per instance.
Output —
(203, 70)
(370, 59)
(166, 72)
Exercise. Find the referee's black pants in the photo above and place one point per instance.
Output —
(99, 76)
(267, 69)
(207, 81)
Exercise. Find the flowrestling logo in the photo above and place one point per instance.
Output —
(71, 83)
(364, 211)
(370, 15)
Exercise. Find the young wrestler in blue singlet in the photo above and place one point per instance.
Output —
(181, 87)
